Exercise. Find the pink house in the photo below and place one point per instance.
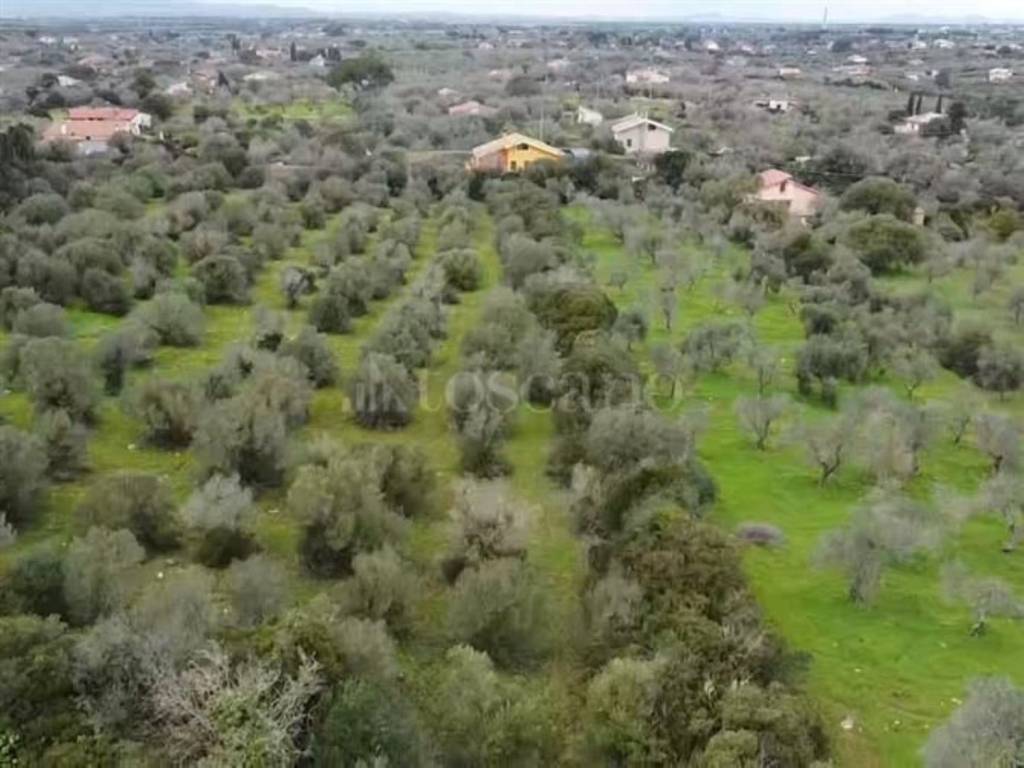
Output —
(775, 186)
(472, 109)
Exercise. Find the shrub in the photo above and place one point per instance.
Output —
(221, 512)
(104, 292)
(313, 351)
(42, 319)
(257, 588)
(243, 435)
(139, 501)
(35, 583)
(342, 510)
(462, 270)
(98, 573)
(57, 376)
(383, 393)
(365, 721)
(64, 442)
(381, 587)
(761, 534)
(13, 300)
(23, 466)
(329, 313)
(406, 478)
(885, 244)
(176, 320)
(169, 410)
(496, 609)
(130, 346)
(961, 352)
(224, 279)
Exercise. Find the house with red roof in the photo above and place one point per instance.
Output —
(775, 186)
(91, 129)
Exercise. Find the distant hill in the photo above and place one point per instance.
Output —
(70, 9)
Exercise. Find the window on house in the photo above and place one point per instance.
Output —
(629, 143)
(513, 165)
(651, 127)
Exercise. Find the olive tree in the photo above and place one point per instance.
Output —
(757, 415)
(140, 502)
(984, 730)
(987, 597)
(884, 530)
(99, 573)
(382, 393)
(221, 513)
(57, 375)
(169, 410)
(23, 465)
(342, 510)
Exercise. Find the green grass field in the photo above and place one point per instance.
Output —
(333, 110)
(899, 665)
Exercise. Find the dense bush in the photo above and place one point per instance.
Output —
(137, 501)
(23, 465)
(169, 410)
(382, 393)
(176, 320)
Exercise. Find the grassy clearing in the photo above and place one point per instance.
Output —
(333, 110)
(899, 666)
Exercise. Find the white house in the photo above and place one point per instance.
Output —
(911, 126)
(789, 73)
(179, 89)
(639, 135)
(586, 116)
(646, 76)
(318, 62)
(1000, 75)
(774, 106)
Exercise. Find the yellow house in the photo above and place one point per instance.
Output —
(512, 152)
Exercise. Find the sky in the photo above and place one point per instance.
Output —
(781, 10)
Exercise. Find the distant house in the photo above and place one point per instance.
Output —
(67, 82)
(586, 116)
(911, 126)
(857, 59)
(133, 119)
(91, 129)
(512, 153)
(775, 186)
(775, 106)
(471, 109)
(789, 73)
(646, 76)
(318, 62)
(181, 89)
(639, 135)
(711, 46)
(1000, 75)
(559, 65)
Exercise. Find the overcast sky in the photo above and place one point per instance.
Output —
(788, 10)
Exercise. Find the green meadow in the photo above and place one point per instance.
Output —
(898, 666)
